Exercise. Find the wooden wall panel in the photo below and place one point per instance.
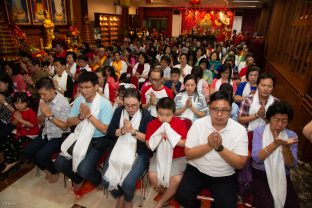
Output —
(284, 90)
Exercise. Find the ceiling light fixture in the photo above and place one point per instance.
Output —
(239, 6)
(241, 1)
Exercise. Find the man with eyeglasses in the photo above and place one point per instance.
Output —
(81, 150)
(152, 93)
(215, 146)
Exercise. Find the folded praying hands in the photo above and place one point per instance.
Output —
(214, 140)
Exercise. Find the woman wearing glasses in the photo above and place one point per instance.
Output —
(130, 155)
(215, 146)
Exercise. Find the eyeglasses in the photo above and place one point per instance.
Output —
(135, 106)
(223, 111)
(155, 80)
(85, 87)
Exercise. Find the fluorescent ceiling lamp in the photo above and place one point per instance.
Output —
(239, 1)
(239, 6)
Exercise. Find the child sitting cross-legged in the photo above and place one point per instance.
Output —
(166, 134)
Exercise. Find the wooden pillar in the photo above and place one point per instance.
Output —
(81, 20)
(124, 22)
(141, 17)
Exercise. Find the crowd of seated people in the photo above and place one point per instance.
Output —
(130, 101)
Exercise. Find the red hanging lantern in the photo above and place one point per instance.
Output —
(195, 2)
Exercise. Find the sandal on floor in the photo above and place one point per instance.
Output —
(8, 167)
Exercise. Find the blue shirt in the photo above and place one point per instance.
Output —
(234, 111)
(241, 87)
(105, 114)
(177, 86)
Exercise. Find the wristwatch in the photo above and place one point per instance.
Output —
(50, 118)
(135, 133)
(220, 148)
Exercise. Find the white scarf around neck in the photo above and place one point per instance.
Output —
(254, 107)
(72, 69)
(123, 154)
(145, 71)
(246, 90)
(164, 151)
(82, 135)
(219, 83)
(275, 168)
(62, 81)
(188, 113)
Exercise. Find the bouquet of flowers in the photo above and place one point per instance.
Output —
(73, 35)
(17, 32)
(74, 32)
(37, 53)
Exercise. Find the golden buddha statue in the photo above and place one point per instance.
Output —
(48, 28)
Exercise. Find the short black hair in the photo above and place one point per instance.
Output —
(224, 67)
(200, 49)
(165, 58)
(197, 72)
(175, 70)
(214, 52)
(15, 68)
(124, 78)
(111, 71)
(4, 77)
(101, 70)
(132, 92)
(35, 62)
(227, 87)
(88, 77)
(188, 77)
(20, 97)
(60, 43)
(73, 54)
(184, 54)
(221, 95)
(61, 60)
(144, 56)
(203, 60)
(280, 107)
(46, 83)
(252, 69)
(121, 90)
(24, 54)
(116, 52)
(83, 57)
(267, 76)
(158, 69)
(166, 103)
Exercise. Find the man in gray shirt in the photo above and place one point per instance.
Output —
(53, 112)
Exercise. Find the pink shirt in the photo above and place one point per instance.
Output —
(214, 82)
(19, 83)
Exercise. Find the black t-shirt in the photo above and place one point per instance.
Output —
(114, 125)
